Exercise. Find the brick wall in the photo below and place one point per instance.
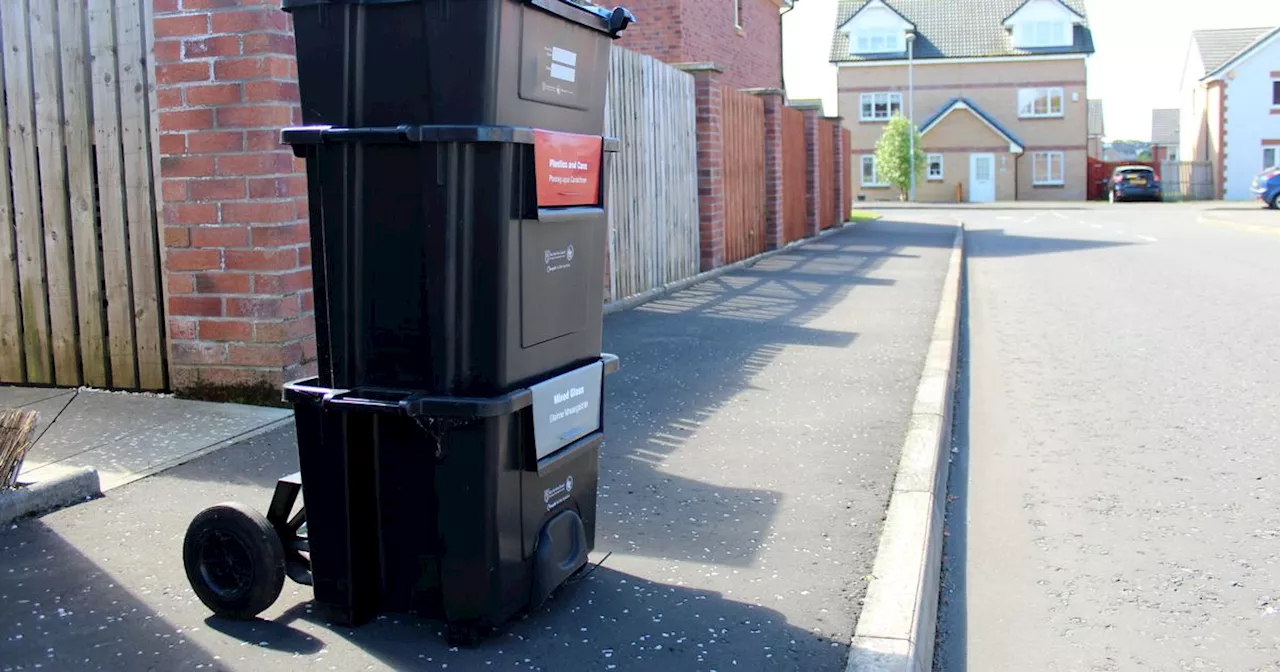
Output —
(775, 208)
(680, 31)
(711, 212)
(234, 206)
(813, 177)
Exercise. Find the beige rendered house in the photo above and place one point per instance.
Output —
(997, 89)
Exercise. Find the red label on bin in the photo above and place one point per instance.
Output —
(568, 168)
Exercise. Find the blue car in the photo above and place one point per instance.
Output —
(1266, 187)
(1130, 183)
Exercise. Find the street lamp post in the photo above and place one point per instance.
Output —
(911, 107)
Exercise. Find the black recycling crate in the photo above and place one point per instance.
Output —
(470, 510)
(537, 63)
(434, 266)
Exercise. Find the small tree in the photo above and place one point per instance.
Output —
(893, 154)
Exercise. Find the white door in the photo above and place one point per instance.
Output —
(982, 178)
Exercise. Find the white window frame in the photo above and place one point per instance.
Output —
(889, 98)
(1042, 180)
(1027, 99)
(1042, 34)
(891, 41)
(875, 174)
(1274, 160)
(928, 161)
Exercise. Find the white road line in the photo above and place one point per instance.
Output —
(1149, 239)
(1059, 215)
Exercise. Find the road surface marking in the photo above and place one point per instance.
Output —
(1149, 239)
(1059, 215)
(1096, 226)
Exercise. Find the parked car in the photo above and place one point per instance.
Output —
(1266, 187)
(1134, 182)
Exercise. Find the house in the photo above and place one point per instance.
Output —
(997, 89)
(744, 37)
(1097, 129)
(1230, 112)
(1164, 135)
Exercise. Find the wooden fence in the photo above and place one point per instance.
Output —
(827, 169)
(794, 172)
(742, 130)
(653, 214)
(80, 298)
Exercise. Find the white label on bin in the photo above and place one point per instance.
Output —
(566, 408)
(563, 72)
(564, 57)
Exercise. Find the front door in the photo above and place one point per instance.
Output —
(982, 178)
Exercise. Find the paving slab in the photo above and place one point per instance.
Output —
(753, 436)
(127, 436)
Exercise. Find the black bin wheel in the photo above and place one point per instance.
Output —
(234, 560)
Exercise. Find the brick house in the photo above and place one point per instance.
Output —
(743, 37)
(999, 94)
(1230, 112)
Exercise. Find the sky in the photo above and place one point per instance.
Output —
(1140, 50)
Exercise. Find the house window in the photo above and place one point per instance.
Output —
(1040, 34)
(737, 14)
(1046, 102)
(880, 106)
(879, 41)
(935, 166)
(1275, 93)
(870, 177)
(1270, 157)
(1047, 168)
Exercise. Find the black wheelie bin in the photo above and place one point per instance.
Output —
(448, 447)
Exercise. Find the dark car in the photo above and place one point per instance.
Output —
(1130, 183)
(1266, 187)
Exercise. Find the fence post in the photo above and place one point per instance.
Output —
(813, 168)
(235, 213)
(711, 206)
(839, 163)
(774, 102)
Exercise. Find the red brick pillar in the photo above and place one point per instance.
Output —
(813, 167)
(235, 218)
(774, 102)
(841, 167)
(710, 162)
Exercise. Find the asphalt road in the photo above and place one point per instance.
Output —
(753, 436)
(1115, 482)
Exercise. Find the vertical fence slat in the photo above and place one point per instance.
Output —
(111, 199)
(80, 179)
(19, 89)
(53, 191)
(135, 137)
(744, 189)
(653, 218)
(12, 368)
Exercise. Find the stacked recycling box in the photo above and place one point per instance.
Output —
(456, 181)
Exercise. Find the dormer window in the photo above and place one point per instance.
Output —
(879, 41)
(1034, 34)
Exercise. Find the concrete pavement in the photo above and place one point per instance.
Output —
(1114, 499)
(753, 437)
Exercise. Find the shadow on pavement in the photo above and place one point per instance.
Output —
(996, 243)
(608, 618)
(57, 607)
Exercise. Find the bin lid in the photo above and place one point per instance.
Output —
(611, 21)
